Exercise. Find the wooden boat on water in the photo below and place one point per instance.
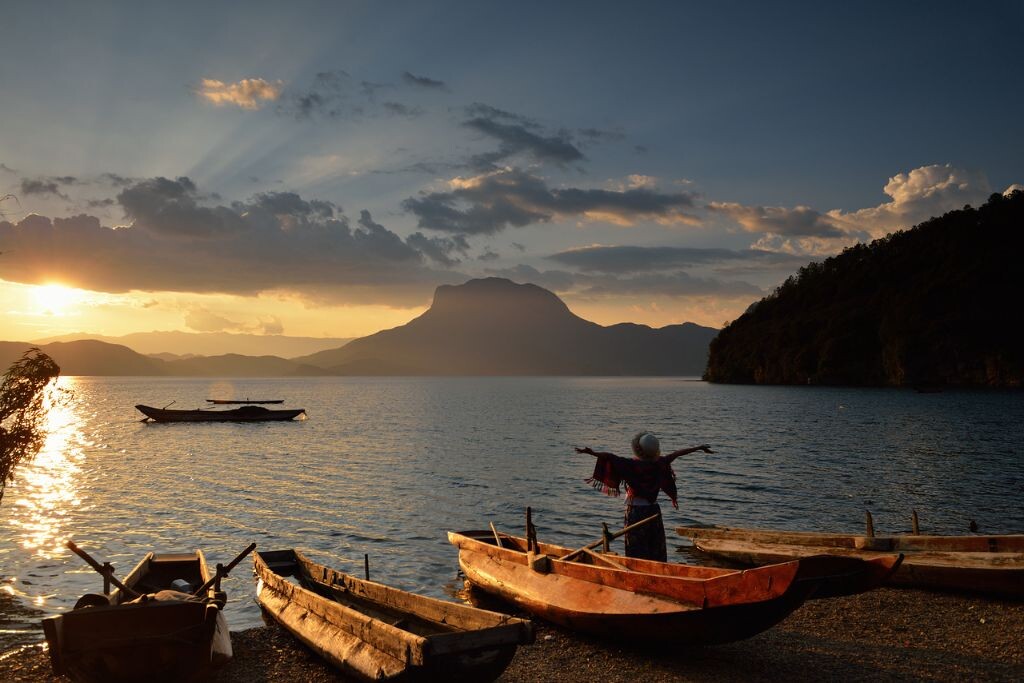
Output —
(153, 630)
(647, 600)
(980, 564)
(248, 402)
(246, 413)
(376, 632)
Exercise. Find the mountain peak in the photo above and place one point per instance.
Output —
(496, 295)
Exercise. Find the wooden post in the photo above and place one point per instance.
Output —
(914, 523)
(108, 571)
(366, 565)
(606, 537)
(531, 532)
(869, 523)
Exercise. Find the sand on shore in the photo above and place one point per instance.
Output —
(885, 635)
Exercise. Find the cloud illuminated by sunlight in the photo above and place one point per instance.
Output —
(248, 93)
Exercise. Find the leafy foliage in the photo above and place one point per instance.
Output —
(934, 305)
(21, 410)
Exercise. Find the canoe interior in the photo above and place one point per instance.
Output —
(129, 641)
(230, 402)
(375, 631)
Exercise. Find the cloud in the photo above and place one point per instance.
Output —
(423, 81)
(177, 240)
(916, 196)
(248, 93)
(633, 259)
(491, 202)
(610, 286)
(271, 325)
(203, 320)
(800, 221)
(517, 135)
(7, 169)
(399, 109)
(45, 186)
(439, 249)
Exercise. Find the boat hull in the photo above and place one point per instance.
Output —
(165, 639)
(948, 563)
(245, 414)
(351, 624)
(619, 603)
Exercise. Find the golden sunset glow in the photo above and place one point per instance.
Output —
(54, 299)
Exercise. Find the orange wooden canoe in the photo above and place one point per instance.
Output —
(646, 600)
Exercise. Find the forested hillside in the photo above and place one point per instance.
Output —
(936, 305)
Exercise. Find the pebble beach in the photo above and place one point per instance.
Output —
(885, 635)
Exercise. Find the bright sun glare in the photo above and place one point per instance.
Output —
(55, 299)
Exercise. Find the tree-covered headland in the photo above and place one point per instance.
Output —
(936, 305)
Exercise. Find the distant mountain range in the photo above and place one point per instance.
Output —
(173, 345)
(490, 326)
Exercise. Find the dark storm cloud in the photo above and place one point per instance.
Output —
(171, 208)
(274, 241)
(513, 198)
(633, 259)
(43, 187)
(423, 81)
(117, 180)
(514, 138)
(6, 168)
(488, 255)
(439, 249)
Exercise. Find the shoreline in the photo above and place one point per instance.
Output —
(892, 634)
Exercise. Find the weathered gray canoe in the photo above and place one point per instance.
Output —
(377, 632)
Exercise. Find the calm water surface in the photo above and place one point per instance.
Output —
(386, 466)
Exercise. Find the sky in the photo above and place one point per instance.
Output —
(319, 168)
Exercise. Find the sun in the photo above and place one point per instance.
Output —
(55, 299)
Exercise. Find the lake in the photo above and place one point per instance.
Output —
(385, 466)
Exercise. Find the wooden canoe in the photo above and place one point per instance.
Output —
(377, 632)
(647, 600)
(243, 414)
(164, 636)
(991, 565)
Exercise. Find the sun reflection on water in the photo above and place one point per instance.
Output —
(48, 483)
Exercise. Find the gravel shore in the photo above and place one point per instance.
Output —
(884, 635)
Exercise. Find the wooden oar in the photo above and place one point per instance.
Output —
(224, 571)
(610, 537)
(109, 575)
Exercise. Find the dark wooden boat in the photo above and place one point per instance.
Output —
(167, 635)
(225, 401)
(376, 632)
(646, 600)
(979, 564)
(243, 414)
